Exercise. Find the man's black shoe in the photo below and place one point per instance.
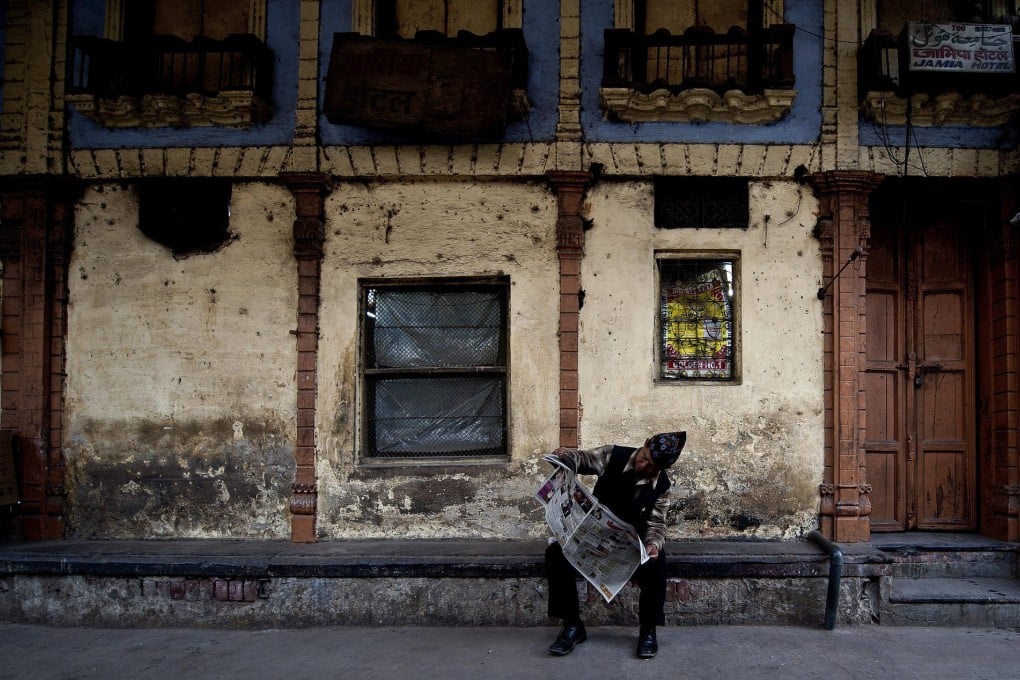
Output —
(647, 645)
(570, 635)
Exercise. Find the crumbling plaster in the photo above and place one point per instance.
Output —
(180, 394)
(754, 455)
(445, 228)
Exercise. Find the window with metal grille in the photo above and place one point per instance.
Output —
(697, 319)
(435, 368)
(701, 202)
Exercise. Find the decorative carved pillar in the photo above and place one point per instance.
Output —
(309, 190)
(569, 188)
(35, 235)
(843, 226)
(1003, 347)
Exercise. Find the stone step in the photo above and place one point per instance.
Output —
(976, 601)
(915, 555)
(954, 565)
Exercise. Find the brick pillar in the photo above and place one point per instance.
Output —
(569, 188)
(309, 190)
(35, 228)
(1003, 374)
(844, 225)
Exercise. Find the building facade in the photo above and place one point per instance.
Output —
(327, 269)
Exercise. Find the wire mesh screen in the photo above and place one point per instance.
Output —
(435, 371)
(696, 316)
(451, 416)
(434, 328)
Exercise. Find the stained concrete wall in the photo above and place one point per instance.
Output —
(180, 401)
(438, 228)
(180, 406)
(181, 385)
(754, 455)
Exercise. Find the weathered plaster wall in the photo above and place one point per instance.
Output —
(179, 414)
(449, 228)
(754, 455)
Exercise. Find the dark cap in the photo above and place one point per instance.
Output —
(665, 447)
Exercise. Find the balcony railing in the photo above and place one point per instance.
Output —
(699, 76)
(700, 58)
(225, 81)
(891, 93)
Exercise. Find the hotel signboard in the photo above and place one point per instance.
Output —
(960, 48)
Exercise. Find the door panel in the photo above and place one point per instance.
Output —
(944, 421)
(920, 443)
(885, 445)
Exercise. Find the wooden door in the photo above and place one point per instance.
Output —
(919, 388)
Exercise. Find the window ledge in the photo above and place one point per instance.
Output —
(398, 467)
(696, 105)
(948, 108)
(234, 108)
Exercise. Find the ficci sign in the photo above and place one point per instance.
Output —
(960, 48)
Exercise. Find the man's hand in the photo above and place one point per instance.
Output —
(564, 455)
(653, 552)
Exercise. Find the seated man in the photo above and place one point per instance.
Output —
(633, 484)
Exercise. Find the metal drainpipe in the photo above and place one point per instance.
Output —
(835, 574)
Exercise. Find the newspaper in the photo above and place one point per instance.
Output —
(602, 547)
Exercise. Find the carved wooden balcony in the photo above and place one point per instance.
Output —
(699, 76)
(892, 94)
(468, 85)
(168, 81)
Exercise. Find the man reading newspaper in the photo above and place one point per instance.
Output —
(633, 485)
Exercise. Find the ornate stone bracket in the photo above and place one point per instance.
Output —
(1006, 500)
(235, 108)
(949, 108)
(696, 105)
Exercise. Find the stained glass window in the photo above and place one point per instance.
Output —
(696, 312)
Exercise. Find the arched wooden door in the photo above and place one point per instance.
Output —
(920, 445)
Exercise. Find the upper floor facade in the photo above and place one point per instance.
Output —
(373, 88)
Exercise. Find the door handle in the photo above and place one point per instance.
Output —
(923, 368)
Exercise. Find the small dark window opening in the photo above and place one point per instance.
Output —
(701, 203)
(188, 216)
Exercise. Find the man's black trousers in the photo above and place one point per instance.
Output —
(563, 604)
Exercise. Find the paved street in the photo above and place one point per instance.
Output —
(730, 652)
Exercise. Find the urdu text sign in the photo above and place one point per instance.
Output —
(960, 48)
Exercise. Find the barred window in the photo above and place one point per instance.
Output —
(701, 202)
(435, 368)
(697, 319)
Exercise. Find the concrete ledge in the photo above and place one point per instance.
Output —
(370, 558)
(257, 584)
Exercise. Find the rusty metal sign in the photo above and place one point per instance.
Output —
(413, 86)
